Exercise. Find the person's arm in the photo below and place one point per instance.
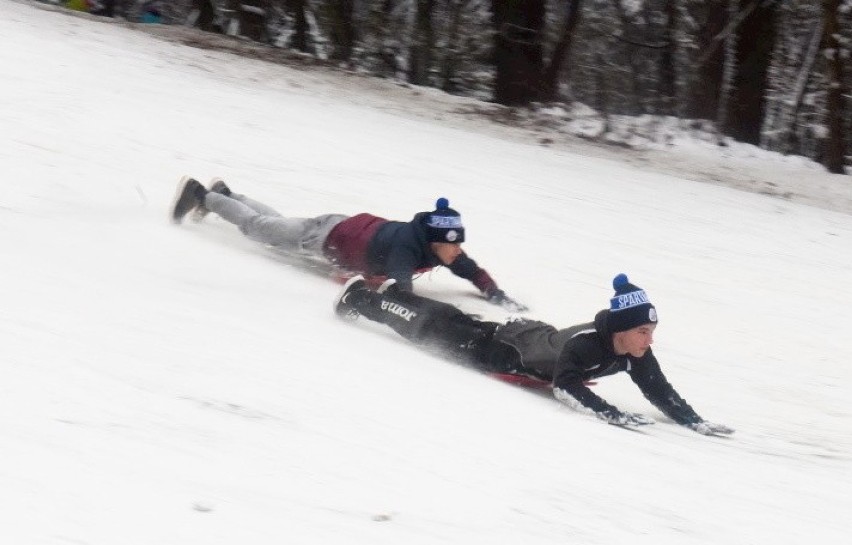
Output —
(578, 362)
(465, 267)
(649, 377)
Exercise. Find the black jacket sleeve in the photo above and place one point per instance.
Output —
(465, 267)
(581, 359)
(587, 397)
(646, 373)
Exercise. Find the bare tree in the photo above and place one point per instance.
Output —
(756, 33)
(728, 70)
(835, 146)
(251, 18)
(381, 46)
(452, 50)
(205, 15)
(518, 52)
(302, 28)
(465, 41)
(706, 68)
(422, 46)
(667, 87)
(624, 32)
(793, 69)
(342, 28)
(554, 69)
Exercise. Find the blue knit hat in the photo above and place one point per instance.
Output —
(629, 307)
(444, 224)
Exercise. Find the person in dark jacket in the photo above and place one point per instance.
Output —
(619, 339)
(370, 245)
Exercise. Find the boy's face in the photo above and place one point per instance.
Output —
(634, 341)
(447, 252)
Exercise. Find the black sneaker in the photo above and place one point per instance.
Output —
(388, 285)
(343, 307)
(217, 185)
(190, 193)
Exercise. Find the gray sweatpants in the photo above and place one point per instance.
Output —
(264, 224)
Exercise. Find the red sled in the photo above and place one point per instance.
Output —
(522, 380)
(528, 381)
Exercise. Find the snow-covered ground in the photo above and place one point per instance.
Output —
(174, 385)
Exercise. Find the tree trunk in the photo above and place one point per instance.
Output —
(107, 9)
(778, 132)
(732, 80)
(754, 43)
(300, 36)
(550, 79)
(422, 44)
(602, 93)
(518, 50)
(451, 52)
(342, 29)
(729, 68)
(835, 146)
(635, 69)
(252, 17)
(667, 86)
(707, 80)
(204, 15)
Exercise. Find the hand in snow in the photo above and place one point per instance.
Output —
(709, 428)
(636, 419)
(618, 418)
(499, 297)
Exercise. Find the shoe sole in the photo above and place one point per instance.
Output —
(178, 194)
(346, 286)
(385, 285)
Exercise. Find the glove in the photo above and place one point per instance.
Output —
(709, 428)
(499, 297)
(618, 418)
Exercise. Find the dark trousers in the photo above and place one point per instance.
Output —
(432, 324)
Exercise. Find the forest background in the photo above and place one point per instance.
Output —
(773, 73)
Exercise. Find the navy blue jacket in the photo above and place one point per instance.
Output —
(399, 250)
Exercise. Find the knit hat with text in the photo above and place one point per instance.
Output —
(444, 224)
(629, 307)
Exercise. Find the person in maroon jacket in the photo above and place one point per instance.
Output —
(370, 245)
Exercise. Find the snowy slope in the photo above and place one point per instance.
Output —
(175, 385)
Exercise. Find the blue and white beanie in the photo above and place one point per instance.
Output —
(630, 307)
(444, 224)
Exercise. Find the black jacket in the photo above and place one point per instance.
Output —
(400, 249)
(583, 352)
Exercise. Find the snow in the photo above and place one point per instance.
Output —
(174, 385)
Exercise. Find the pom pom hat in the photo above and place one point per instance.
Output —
(629, 307)
(444, 224)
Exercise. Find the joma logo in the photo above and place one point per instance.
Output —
(399, 310)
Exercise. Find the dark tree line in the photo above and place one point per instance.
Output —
(774, 73)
